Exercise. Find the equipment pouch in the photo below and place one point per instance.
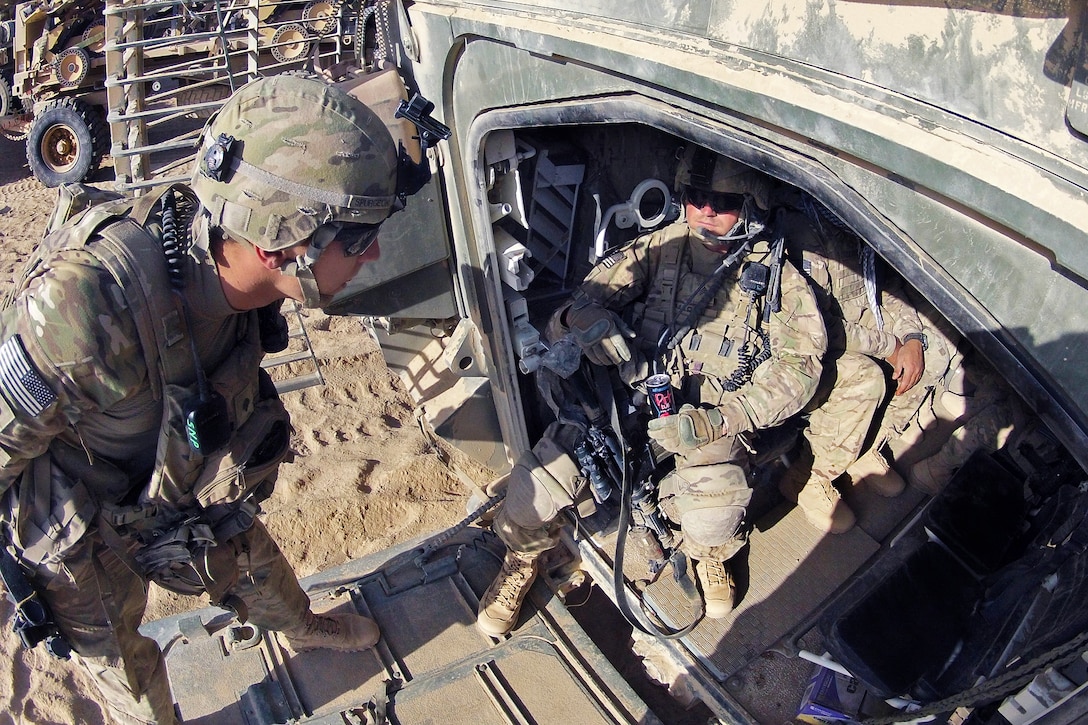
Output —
(254, 455)
(51, 513)
(180, 471)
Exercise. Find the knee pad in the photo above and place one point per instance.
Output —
(714, 485)
(543, 481)
(708, 502)
(710, 527)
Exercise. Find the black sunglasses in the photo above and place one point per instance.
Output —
(720, 202)
(355, 239)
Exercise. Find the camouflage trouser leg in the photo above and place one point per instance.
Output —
(532, 540)
(852, 388)
(98, 603)
(707, 495)
(266, 582)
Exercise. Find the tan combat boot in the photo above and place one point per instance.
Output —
(345, 632)
(500, 604)
(874, 471)
(719, 590)
(929, 475)
(822, 504)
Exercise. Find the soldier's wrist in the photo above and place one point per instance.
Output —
(919, 336)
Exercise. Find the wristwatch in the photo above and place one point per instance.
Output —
(920, 337)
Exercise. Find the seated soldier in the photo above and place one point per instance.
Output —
(739, 332)
(878, 345)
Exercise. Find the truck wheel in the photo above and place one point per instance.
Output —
(5, 96)
(67, 142)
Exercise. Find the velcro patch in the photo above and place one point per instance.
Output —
(20, 381)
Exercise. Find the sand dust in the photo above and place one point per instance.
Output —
(364, 476)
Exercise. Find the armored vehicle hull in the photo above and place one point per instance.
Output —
(949, 138)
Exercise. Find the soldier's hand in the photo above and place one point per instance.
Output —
(599, 332)
(908, 363)
(688, 429)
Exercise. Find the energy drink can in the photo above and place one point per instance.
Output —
(659, 392)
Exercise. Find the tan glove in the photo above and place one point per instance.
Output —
(689, 429)
(599, 332)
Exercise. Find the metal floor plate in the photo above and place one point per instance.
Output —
(772, 595)
(431, 666)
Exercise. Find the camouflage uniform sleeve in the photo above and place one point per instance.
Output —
(621, 278)
(832, 266)
(786, 382)
(899, 314)
(67, 346)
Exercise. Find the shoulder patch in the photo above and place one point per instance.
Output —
(612, 260)
(21, 381)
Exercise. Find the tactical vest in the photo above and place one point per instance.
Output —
(191, 500)
(729, 339)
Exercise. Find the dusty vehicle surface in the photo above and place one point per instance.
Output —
(949, 139)
(171, 63)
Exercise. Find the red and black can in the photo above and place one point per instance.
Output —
(659, 392)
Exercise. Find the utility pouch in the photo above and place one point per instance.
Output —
(51, 513)
(181, 469)
(255, 453)
(188, 560)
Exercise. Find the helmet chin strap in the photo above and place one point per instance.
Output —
(302, 269)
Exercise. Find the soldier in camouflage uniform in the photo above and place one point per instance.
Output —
(884, 360)
(743, 357)
(137, 431)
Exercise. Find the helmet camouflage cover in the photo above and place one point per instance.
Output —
(700, 168)
(287, 154)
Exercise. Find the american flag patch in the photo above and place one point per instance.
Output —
(612, 261)
(20, 381)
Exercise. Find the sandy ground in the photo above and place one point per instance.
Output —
(364, 476)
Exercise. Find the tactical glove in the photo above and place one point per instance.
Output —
(599, 332)
(688, 429)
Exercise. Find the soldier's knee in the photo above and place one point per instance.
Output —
(708, 502)
(543, 481)
(714, 526)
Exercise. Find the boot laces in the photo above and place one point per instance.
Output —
(829, 490)
(715, 572)
(324, 626)
(877, 457)
(514, 575)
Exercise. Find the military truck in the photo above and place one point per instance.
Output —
(85, 69)
(947, 137)
(7, 31)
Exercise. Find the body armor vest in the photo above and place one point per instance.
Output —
(728, 339)
(62, 493)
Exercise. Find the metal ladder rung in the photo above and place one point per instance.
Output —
(285, 358)
(302, 381)
(296, 329)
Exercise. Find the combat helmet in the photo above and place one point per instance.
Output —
(293, 158)
(700, 168)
